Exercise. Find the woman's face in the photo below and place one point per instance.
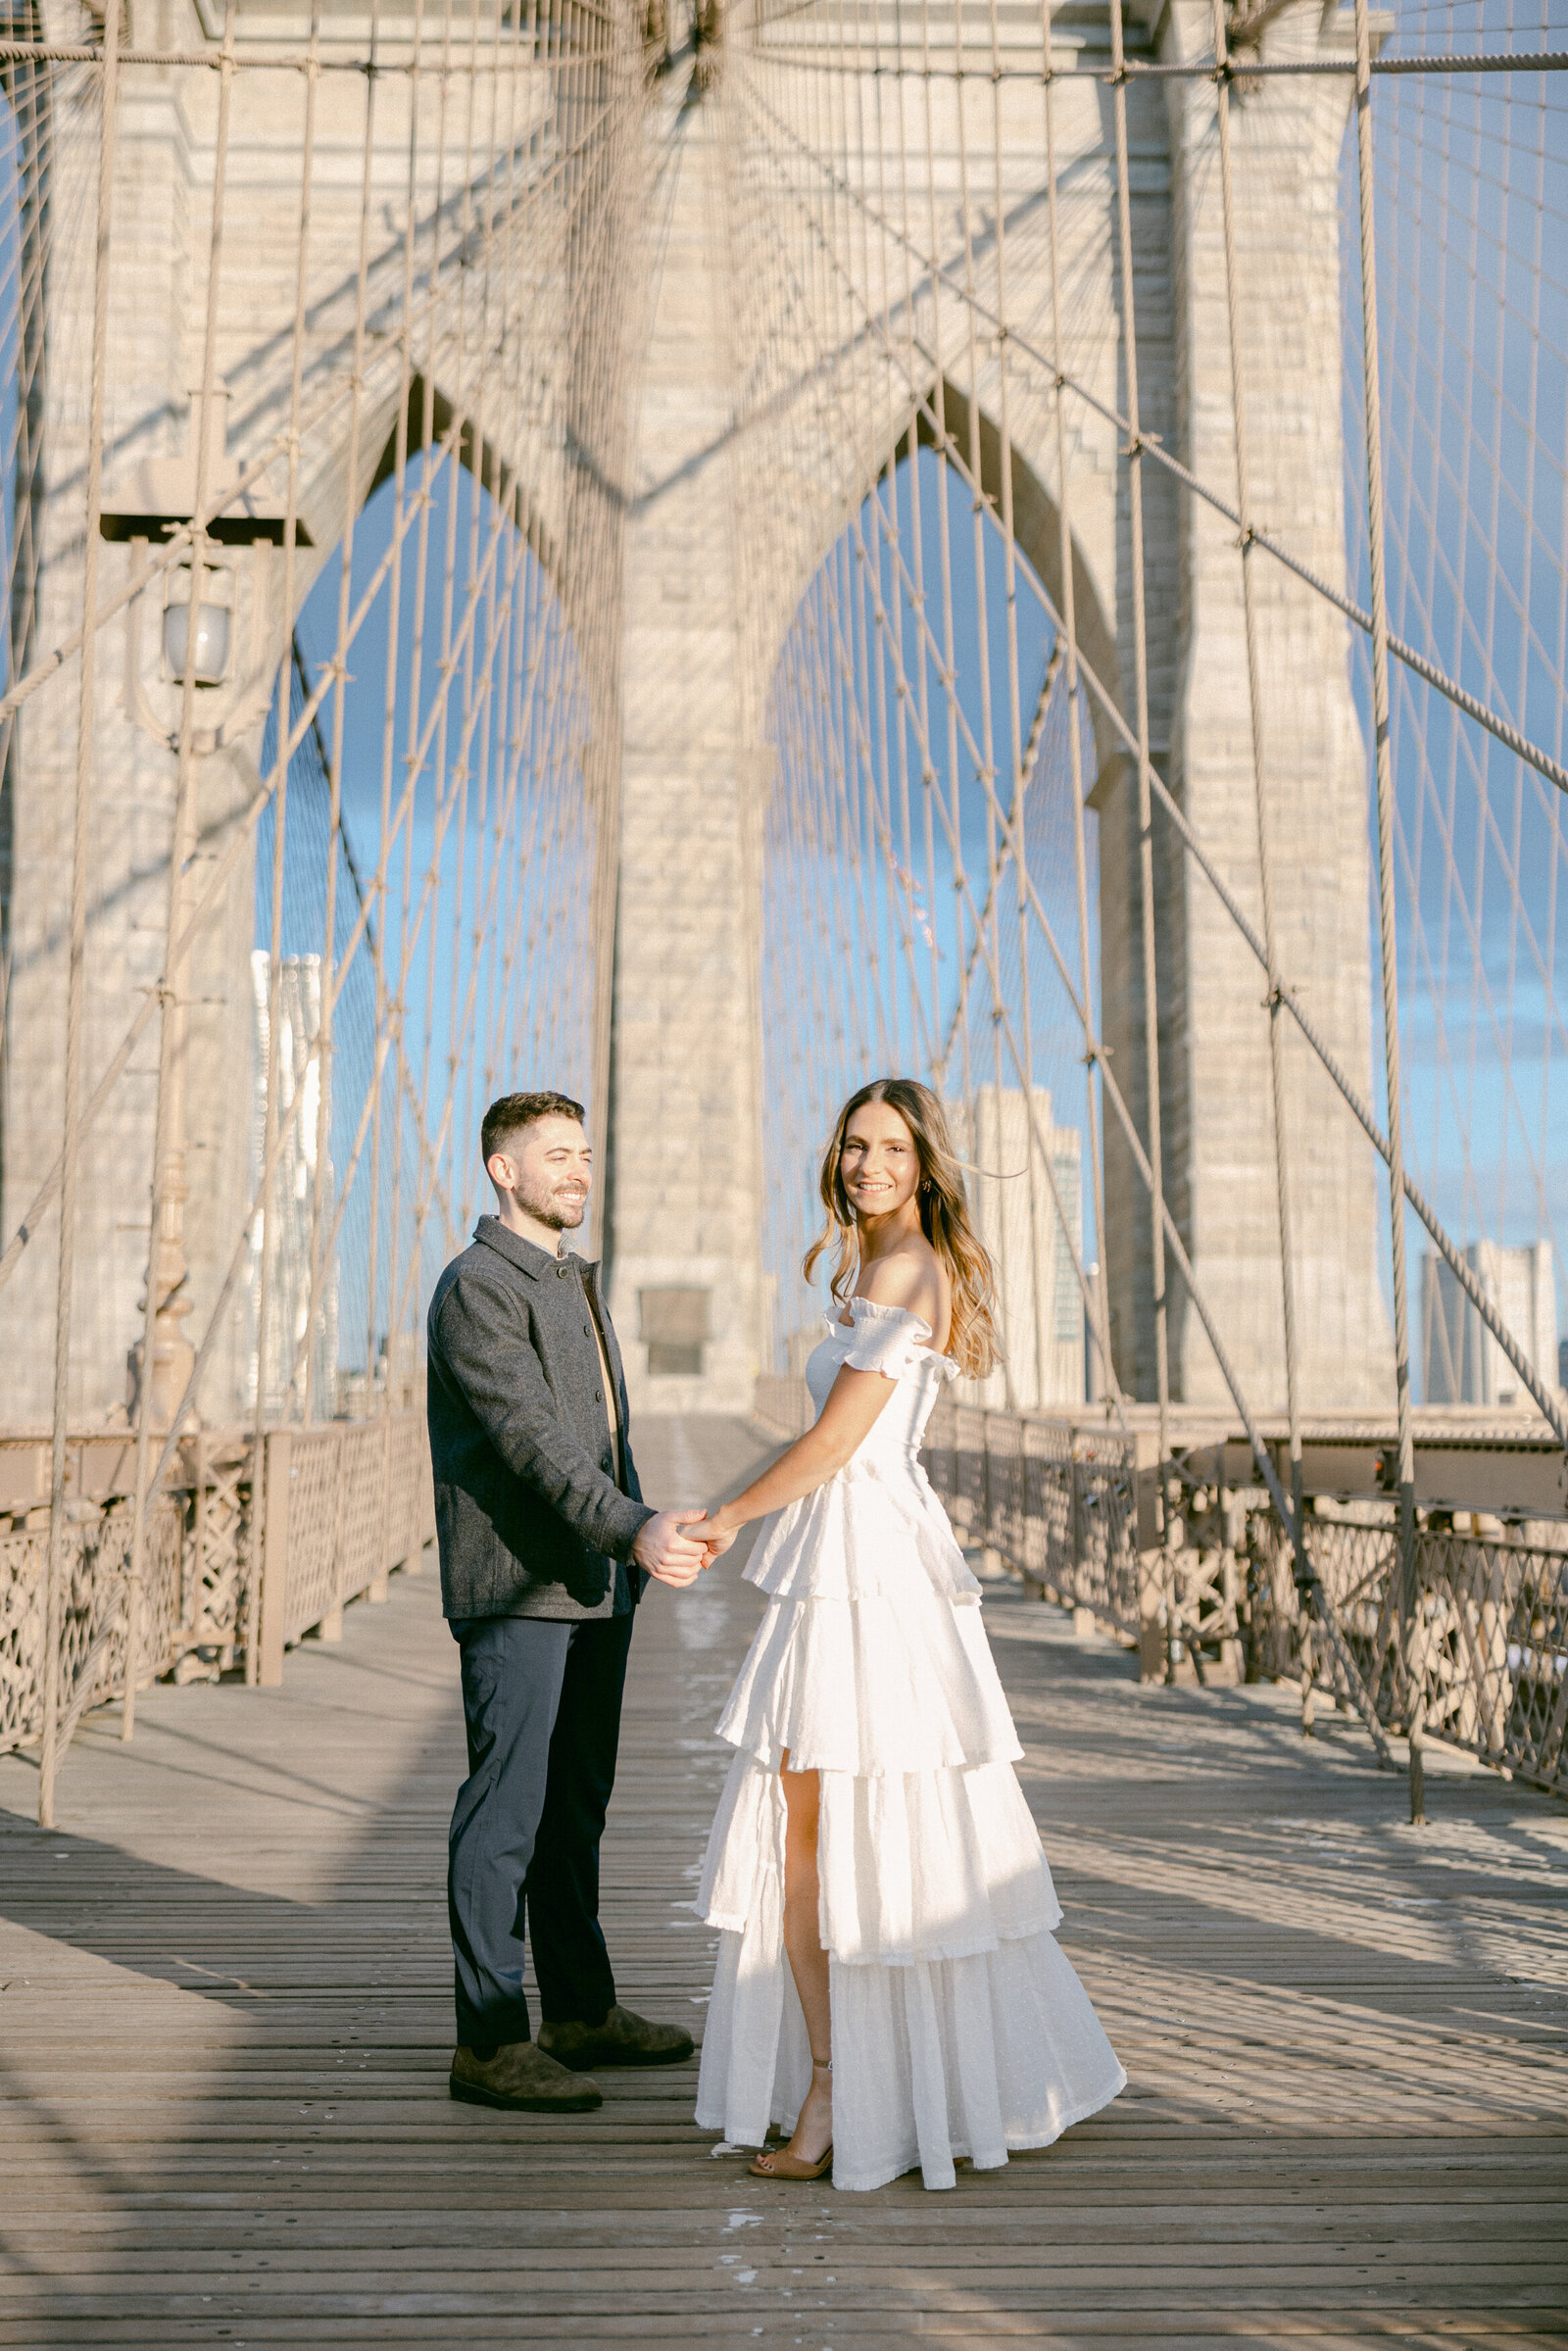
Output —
(879, 1165)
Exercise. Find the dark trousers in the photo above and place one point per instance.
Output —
(542, 1704)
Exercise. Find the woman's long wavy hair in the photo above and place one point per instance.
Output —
(973, 1342)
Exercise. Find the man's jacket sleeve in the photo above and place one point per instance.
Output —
(503, 1383)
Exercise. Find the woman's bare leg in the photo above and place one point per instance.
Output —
(809, 1962)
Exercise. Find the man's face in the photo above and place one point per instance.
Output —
(549, 1170)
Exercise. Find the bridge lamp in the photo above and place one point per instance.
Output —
(234, 656)
(214, 624)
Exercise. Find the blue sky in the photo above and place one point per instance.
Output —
(1472, 197)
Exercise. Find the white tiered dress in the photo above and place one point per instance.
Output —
(959, 2028)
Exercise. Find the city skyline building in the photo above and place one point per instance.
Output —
(1461, 1363)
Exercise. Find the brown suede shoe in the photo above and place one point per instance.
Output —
(521, 2075)
(621, 2040)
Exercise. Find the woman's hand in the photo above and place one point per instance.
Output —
(716, 1532)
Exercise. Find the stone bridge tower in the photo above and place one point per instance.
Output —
(729, 525)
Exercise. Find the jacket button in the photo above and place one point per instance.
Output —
(587, 1334)
(599, 1396)
(561, 1273)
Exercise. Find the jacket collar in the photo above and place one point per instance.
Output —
(526, 1256)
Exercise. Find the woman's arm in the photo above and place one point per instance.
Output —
(854, 1403)
(847, 1419)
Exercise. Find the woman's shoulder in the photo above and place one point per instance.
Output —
(895, 1314)
(906, 1281)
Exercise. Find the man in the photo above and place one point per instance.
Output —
(545, 1544)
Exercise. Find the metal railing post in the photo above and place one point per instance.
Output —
(77, 973)
(272, 1608)
(380, 1581)
(330, 1627)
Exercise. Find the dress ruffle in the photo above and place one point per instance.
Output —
(887, 1339)
(975, 2057)
(871, 1686)
(858, 1537)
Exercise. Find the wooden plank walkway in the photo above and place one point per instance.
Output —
(225, 2027)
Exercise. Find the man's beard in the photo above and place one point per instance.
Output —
(562, 1216)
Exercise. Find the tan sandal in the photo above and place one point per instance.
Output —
(782, 2164)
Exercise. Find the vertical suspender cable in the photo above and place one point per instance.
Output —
(1387, 941)
(75, 985)
(167, 1221)
(1255, 701)
(318, 1331)
(1146, 832)
(283, 706)
(1100, 1318)
(1038, 1225)
(394, 646)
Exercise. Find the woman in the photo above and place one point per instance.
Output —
(872, 1831)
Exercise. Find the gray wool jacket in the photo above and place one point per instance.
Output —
(529, 1516)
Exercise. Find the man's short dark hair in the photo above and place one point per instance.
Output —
(513, 1111)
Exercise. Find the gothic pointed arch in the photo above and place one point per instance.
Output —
(1036, 529)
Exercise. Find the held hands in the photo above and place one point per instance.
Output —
(676, 1546)
(668, 1552)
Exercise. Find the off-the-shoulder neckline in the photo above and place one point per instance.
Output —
(873, 1305)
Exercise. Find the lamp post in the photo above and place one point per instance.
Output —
(194, 696)
(233, 664)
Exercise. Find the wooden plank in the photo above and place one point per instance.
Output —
(226, 1988)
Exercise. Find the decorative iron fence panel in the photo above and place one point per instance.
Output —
(313, 1528)
(1484, 1649)
(366, 1516)
(94, 1610)
(361, 1502)
(1487, 1646)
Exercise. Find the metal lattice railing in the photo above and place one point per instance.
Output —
(217, 1589)
(1477, 1657)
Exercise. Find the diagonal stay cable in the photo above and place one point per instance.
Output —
(225, 867)
(1452, 1256)
(1150, 445)
(339, 390)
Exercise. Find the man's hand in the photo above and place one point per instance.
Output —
(666, 1552)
